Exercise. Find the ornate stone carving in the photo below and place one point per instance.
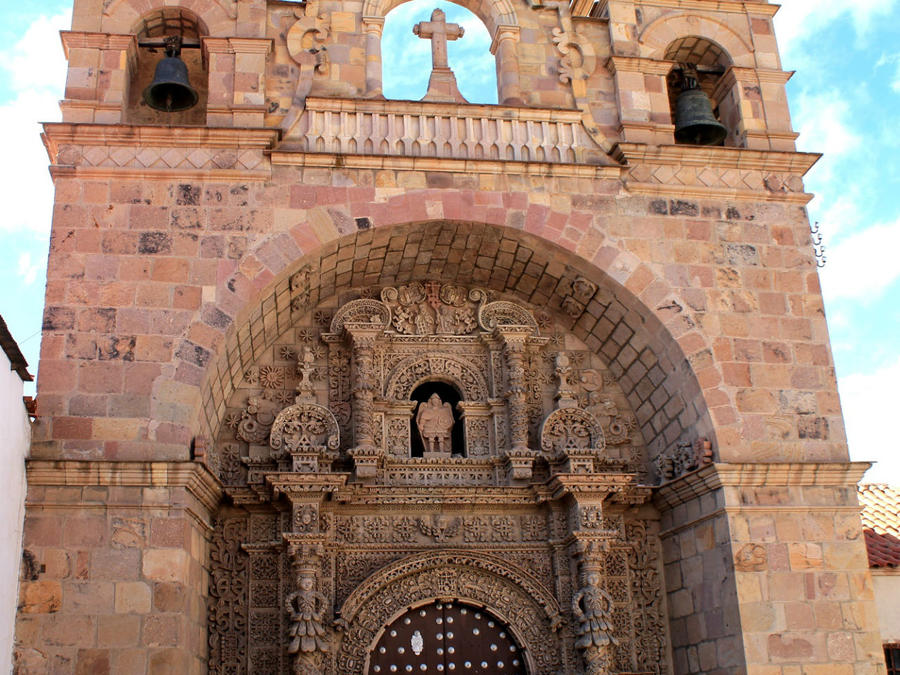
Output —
(308, 433)
(646, 596)
(591, 607)
(576, 300)
(481, 579)
(308, 643)
(433, 308)
(683, 457)
(366, 312)
(502, 313)
(568, 429)
(411, 372)
(227, 604)
(254, 422)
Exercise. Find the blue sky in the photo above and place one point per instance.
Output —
(845, 99)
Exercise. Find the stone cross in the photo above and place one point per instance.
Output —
(438, 31)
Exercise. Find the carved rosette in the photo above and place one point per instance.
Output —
(309, 433)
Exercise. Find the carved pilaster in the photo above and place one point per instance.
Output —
(309, 613)
(362, 390)
(514, 340)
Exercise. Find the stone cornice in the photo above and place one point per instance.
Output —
(725, 158)
(237, 45)
(470, 166)
(60, 133)
(192, 476)
(754, 8)
(85, 40)
(716, 476)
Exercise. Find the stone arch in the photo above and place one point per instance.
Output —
(599, 295)
(154, 25)
(216, 16)
(494, 13)
(412, 372)
(508, 592)
(500, 18)
(659, 34)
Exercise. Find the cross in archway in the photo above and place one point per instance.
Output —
(438, 31)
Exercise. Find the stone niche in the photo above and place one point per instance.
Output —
(423, 442)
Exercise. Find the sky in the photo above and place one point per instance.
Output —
(844, 97)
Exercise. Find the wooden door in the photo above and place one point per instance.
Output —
(447, 638)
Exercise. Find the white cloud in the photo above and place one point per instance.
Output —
(868, 401)
(825, 123)
(863, 265)
(37, 71)
(28, 269)
(799, 20)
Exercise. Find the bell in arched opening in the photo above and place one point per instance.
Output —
(695, 123)
(171, 90)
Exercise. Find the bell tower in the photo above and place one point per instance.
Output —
(333, 384)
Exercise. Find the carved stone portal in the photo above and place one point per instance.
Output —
(334, 526)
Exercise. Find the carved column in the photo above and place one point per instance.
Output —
(514, 340)
(504, 49)
(373, 26)
(363, 393)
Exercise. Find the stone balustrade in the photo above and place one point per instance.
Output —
(442, 130)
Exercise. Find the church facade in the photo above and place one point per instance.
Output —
(337, 384)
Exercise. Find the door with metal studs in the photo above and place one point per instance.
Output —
(447, 637)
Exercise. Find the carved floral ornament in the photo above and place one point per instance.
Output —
(304, 426)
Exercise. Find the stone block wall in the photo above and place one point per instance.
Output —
(115, 580)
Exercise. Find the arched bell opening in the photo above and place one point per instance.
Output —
(702, 109)
(429, 417)
(170, 33)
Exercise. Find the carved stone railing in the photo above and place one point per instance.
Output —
(445, 131)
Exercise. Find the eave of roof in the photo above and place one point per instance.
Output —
(13, 353)
(881, 524)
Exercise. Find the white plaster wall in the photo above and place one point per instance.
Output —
(887, 599)
(15, 439)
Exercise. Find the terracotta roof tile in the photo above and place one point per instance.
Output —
(881, 523)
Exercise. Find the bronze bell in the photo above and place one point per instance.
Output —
(170, 90)
(695, 123)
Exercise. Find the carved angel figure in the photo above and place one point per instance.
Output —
(435, 422)
(306, 607)
(591, 606)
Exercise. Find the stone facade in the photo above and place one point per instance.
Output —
(249, 302)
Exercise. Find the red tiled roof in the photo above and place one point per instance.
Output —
(881, 523)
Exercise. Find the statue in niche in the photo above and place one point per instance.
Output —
(306, 607)
(435, 422)
(591, 606)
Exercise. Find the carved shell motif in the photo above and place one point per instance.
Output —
(363, 311)
(303, 426)
(503, 313)
(571, 429)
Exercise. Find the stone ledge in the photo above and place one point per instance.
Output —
(68, 133)
(192, 476)
(713, 477)
(719, 157)
(441, 165)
